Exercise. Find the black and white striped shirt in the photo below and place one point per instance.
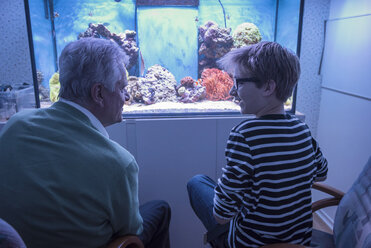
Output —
(265, 188)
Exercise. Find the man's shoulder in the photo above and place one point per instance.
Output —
(19, 120)
(107, 151)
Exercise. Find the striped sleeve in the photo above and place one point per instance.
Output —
(234, 182)
(320, 161)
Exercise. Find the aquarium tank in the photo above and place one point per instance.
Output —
(173, 46)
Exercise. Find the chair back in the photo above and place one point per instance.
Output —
(352, 223)
(9, 237)
(129, 241)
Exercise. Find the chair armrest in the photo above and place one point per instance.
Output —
(328, 189)
(336, 194)
(129, 241)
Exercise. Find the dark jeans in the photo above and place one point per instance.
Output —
(201, 196)
(156, 219)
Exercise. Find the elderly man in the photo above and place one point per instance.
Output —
(63, 182)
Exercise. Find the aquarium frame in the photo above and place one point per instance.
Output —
(193, 3)
(32, 53)
(298, 50)
(50, 7)
(157, 115)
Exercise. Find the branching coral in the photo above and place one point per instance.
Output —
(217, 83)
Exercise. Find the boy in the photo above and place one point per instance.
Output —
(264, 192)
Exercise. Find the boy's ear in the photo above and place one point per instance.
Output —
(269, 88)
(96, 93)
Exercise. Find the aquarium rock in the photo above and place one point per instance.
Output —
(157, 86)
(39, 76)
(214, 43)
(125, 40)
(190, 91)
(246, 34)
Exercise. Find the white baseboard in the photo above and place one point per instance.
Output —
(325, 218)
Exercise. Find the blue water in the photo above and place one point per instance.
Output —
(165, 35)
(168, 36)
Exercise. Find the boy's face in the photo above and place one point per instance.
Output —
(252, 100)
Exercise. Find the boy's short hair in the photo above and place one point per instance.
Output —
(266, 61)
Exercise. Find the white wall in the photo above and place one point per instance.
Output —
(15, 62)
(344, 124)
(309, 85)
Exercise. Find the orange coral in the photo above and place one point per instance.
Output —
(217, 83)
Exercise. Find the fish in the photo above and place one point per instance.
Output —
(142, 66)
(196, 19)
(90, 13)
(228, 17)
(117, 1)
(106, 24)
(198, 82)
(56, 14)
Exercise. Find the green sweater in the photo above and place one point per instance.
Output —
(63, 183)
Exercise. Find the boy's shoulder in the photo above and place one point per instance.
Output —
(268, 121)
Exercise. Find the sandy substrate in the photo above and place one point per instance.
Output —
(179, 107)
(175, 107)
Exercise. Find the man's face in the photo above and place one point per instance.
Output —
(114, 102)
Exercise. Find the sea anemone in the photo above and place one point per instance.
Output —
(217, 83)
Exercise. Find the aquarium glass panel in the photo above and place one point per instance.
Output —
(173, 48)
(288, 23)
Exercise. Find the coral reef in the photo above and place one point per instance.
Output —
(214, 43)
(54, 87)
(125, 40)
(43, 92)
(187, 82)
(190, 90)
(246, 34)
(217, 83)
(157, 86)
(39, 76)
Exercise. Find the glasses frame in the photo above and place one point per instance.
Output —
(238, 81)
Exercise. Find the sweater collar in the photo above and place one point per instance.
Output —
(94, 121)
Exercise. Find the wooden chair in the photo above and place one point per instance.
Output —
(129, 241)
(352, 223)
(334, 200)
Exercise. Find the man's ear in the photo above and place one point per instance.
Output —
(269, 88)
(96, 93)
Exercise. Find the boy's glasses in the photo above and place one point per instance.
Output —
(239, 81)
